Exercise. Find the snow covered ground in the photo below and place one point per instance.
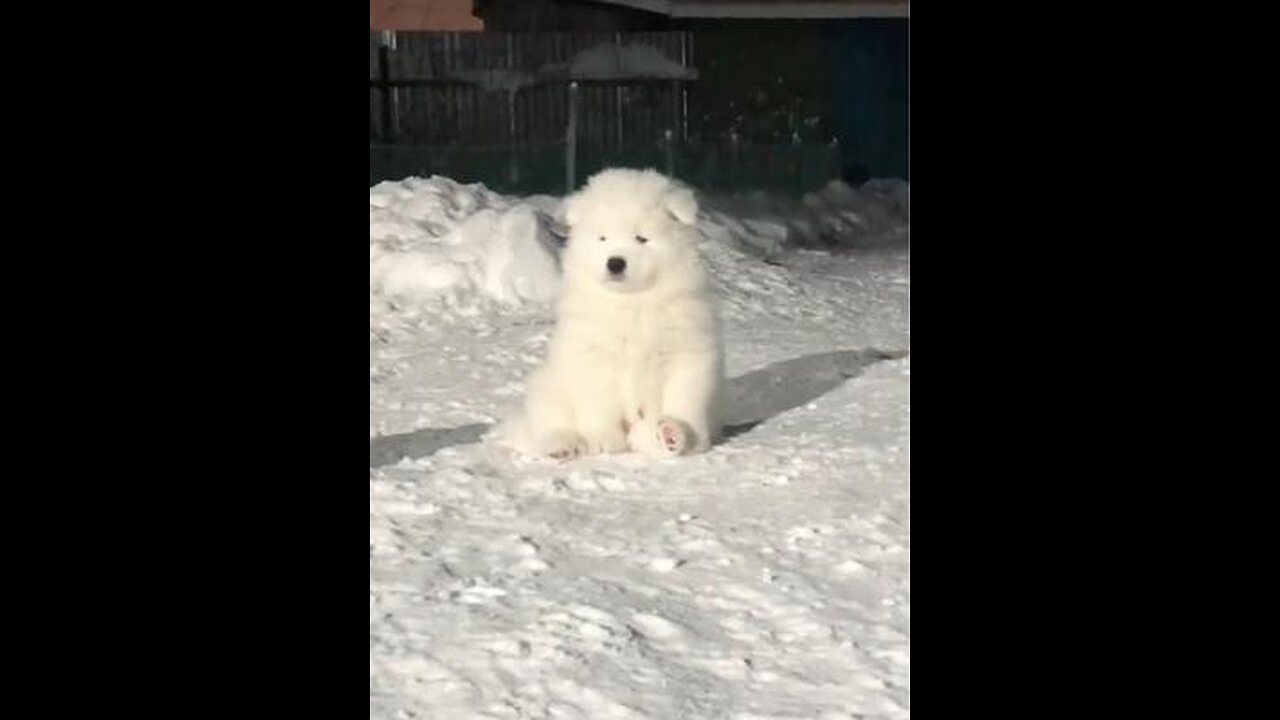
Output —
(769, 578)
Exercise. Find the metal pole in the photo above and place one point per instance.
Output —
(384, 85)
(671, 155)
(617, 91)
(512, 151)
(571, 141)
(797, 170)
(683, 88)
(833, 169)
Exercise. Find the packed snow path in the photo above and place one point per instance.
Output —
(768, 578)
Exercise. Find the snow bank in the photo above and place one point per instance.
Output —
(877, 211)
(435, 239)
(836, 217)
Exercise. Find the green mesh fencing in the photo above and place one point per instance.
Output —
(790, 168)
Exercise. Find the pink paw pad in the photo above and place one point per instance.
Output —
(672, 436)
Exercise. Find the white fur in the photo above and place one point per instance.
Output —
(635, 362)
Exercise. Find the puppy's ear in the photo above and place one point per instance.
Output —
(573, 209)
(682, 205)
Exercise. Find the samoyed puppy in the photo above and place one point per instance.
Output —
(635, 362)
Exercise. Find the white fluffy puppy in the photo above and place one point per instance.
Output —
(635, 362)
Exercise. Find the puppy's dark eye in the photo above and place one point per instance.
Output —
(601, 238)
(641, 239)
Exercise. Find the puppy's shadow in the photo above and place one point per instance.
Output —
(391, 449)
(751, 399)
(763, 394)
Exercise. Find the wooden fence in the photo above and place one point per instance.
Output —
(501, 108)
(488, 89)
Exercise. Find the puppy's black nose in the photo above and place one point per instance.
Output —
(616, 265)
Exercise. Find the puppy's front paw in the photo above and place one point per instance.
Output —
(563, 446)
(674, 436)
(610, 442)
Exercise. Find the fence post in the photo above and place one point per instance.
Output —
(571, 141)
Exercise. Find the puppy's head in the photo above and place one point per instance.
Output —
(629, 231)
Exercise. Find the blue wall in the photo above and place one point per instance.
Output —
(870, 99)
(820, 79)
